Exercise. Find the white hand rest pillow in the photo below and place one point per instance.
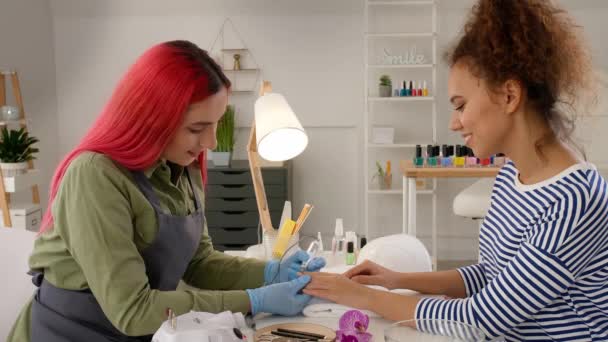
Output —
(203, 327)
(318, 307)
(401, 253)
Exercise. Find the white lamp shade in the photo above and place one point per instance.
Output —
(279, 134)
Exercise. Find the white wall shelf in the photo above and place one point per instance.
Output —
(245, 79)
(13, 122)
(384, 192)
(22, 182)
(24, 216)
(400, 3)
(230, 50)
(372, 145)
(398, 192)
(400, 66)
(241, 70)
(375, 36)
(401, 35)
(402, 99)
(9, 212)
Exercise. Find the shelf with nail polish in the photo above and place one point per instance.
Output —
(450, 156)
(404, 51)
(408, 91)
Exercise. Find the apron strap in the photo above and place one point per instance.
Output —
(37, 277)
(146, 188)
(197, 201)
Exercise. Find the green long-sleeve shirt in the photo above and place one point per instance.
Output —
(101, 224)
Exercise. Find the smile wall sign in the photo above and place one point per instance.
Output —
(411, 57)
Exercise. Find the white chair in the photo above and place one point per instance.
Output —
(474, 201)
(16, 287)
(400, 252)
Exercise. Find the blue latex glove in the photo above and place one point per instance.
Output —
(288, 269)
(281, 299)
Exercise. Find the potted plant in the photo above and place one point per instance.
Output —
(386, 86)
(16, 150)
(384, 177)
(222, 154)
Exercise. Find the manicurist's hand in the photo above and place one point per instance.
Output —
(287, 270)
(283, 299)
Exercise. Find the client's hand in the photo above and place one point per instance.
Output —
(370, 273)
(338, 289)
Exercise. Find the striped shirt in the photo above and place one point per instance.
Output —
(543, 274)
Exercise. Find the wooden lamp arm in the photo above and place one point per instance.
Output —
(256, 172)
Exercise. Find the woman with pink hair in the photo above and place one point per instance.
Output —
(125, 221)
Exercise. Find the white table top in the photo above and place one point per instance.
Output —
(376, 325)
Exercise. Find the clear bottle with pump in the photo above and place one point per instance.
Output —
(337, 242)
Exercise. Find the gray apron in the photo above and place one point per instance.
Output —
(60, 315)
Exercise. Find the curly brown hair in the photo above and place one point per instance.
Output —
(536, 43)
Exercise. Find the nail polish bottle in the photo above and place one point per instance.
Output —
(431, 160)
(500, 160)
(418, 160)
(362, 242)
(404, 89)
(471, 159)
(420, 92)
(397, 92)
(446, 159)
(459, 160)
(425, 90)
(350, 253)
(485, 162)
(411, 90)
(437, 153)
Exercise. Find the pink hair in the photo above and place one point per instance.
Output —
(146, 108)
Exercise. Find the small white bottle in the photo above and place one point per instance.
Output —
(320, 238)
(337, 242)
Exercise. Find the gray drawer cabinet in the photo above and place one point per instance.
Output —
(230, 206)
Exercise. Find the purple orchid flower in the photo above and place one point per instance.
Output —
(353, 327)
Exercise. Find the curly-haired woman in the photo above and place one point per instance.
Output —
(543, 274)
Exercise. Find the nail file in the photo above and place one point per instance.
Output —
(283, 239)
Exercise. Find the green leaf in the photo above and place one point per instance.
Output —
(380, 170)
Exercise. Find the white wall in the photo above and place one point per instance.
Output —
(26, 41)
(313, 53)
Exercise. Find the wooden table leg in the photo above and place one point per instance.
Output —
(411, 182)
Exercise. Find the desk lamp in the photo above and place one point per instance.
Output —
(276, 135)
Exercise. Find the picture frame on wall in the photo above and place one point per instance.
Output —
(383, 135)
